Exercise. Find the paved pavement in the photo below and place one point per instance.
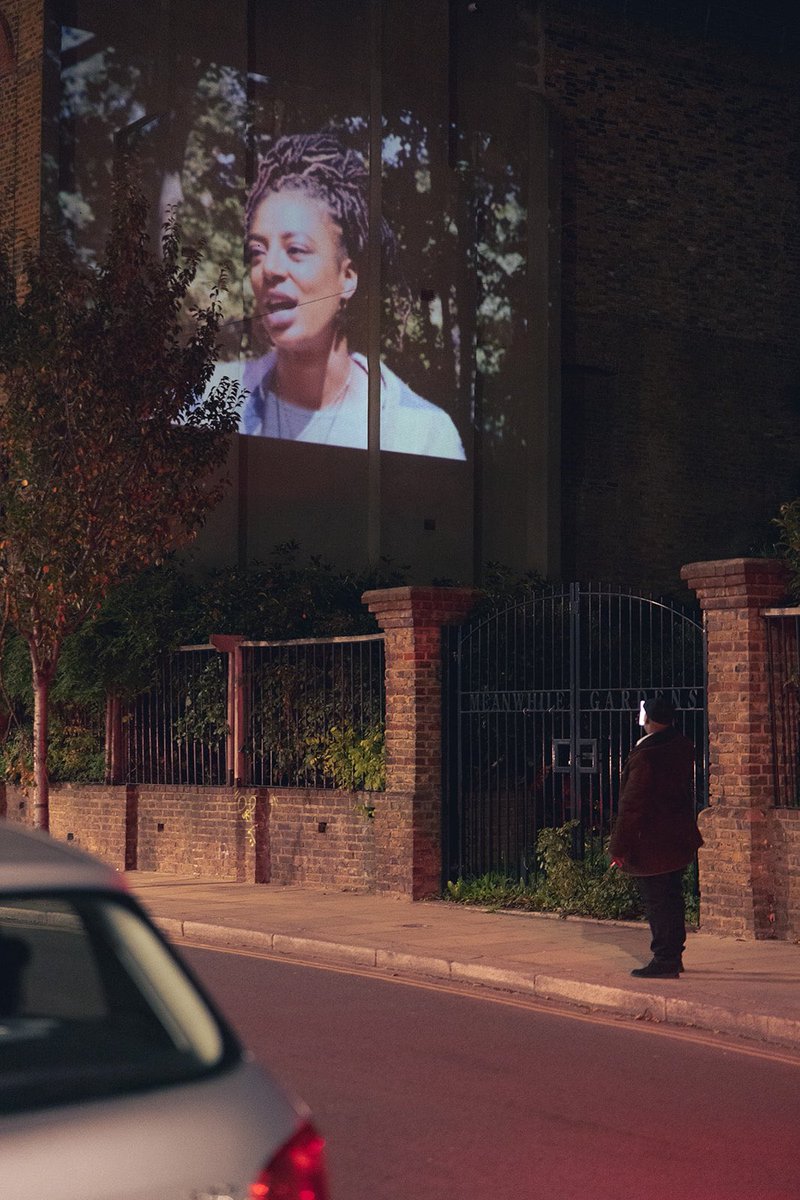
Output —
(747, 988)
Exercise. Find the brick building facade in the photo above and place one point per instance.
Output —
(678, 183)
(21, 56)
(676, 411)
(680, 268)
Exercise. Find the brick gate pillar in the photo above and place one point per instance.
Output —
(409, 816)
(736, 884)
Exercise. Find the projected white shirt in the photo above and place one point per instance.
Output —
(409, 424)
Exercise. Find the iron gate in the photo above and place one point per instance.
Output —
(541, 705)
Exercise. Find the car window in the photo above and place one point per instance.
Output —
(92, 1003)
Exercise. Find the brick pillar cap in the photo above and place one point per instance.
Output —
(738, 582)
(225, 642)
(733, 566)
(420, 605)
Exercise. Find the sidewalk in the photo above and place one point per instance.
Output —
(747, 988)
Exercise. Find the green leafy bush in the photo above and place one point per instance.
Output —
(75, 754)
(493, 890)
(587, 887)
(789, 524)
(354, 758)
(205, 713)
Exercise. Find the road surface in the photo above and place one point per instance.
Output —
(428, 1092)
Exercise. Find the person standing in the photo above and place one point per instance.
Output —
(655, 835)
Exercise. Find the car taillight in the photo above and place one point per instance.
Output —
(296, 1172)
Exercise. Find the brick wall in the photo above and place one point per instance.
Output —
(92, 816)
(785, 842)
(192, 831)
(412, 619)
(680, 261)
(751, 849)
(323, 838)
(680, 175)
(21, 54)
(750, 872)
(298, 836)
(14, 804)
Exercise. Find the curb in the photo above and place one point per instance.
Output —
(641, 1006)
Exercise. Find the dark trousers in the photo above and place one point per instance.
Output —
(663, 902)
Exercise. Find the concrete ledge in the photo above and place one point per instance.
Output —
(221, 935)
(780, 1031)
(661, 1007)
(642, 1005)
(171, 927)
(393, 960)
(492, 977)
(335, 951)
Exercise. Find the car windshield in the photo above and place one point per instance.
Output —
(93, 1004)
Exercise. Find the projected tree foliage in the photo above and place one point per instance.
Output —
(458, 311)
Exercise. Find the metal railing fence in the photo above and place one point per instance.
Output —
(783, 668)
(312, 714)
(176, 732)
(316, 713)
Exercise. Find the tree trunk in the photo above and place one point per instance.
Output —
(41, 804)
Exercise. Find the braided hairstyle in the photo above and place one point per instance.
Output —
(320, 166)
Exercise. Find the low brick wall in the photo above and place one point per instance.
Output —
(736, 886)
(749, 877)
(14, 804)
(785, 847)
(92, 816)
(322, 837)
(192, 831)
(287, 836)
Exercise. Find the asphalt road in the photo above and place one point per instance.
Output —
(426, 1093)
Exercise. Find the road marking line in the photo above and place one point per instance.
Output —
(719, 1041)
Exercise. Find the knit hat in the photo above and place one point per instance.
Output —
(660, 709)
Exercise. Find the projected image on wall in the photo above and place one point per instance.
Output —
(259, 143)
(306, 244)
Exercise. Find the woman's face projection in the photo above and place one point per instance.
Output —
(299, 272)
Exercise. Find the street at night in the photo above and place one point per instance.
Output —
(431, 1092)
(399, 599)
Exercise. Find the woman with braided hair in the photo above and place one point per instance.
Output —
(307, 232)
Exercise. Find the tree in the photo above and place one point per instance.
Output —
(110, 450)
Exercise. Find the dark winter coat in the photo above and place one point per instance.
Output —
(655, 831)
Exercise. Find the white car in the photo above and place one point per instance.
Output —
(118, 1079)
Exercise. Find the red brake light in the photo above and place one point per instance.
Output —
(296, 1172)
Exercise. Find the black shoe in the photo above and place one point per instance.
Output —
(659, 970)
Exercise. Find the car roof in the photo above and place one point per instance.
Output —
(31, 860)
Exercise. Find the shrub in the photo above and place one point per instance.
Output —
(75, 754)
(588, 887)
(789, 524)
(355, 759)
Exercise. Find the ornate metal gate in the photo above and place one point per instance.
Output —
(541, 709)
